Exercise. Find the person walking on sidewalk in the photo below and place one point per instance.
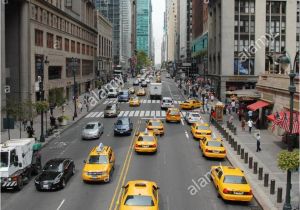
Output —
(243, 124)
(258, 149)
(231, 119)
(250, 125)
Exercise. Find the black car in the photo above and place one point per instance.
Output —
(55, 174)
(123, 126)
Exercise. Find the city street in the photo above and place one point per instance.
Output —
(176, 166)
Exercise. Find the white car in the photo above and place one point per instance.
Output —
(166, 103)
(192, 117)
(168, 76)
(112, 93)
(148, 80)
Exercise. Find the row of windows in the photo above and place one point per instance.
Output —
(45, 17)
(105, 47)
(58, 43)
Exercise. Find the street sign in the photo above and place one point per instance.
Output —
(186, 64)
(7, 89)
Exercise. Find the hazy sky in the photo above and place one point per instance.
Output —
(158, 8)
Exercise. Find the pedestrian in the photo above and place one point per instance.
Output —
(87, 107)
(250, 113)
(250, 124)
(80, 106)
(212, 97)
(243, 124)
(237, 106)
(258, 149)
(231, 119)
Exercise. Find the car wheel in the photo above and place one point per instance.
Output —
(218, 193)
(63, 183)
(38, 189)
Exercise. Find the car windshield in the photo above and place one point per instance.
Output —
(214, 144)
(90, 126)
(235, 179)
(138, 200)
(174, 112)
(186, 102)
(98, 159)
(202, 127)
(195, 115)
(155, 123)
(4, 159)
(54, 166)
(109, 107)
(146, 138)
(123, 93)
(122, 122)
(167, 101)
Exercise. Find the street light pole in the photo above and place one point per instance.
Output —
(292, 89)
(74, 89)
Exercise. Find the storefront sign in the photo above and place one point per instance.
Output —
(238, 78)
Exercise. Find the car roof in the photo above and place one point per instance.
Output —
(201, 124)
(89, 123)
(57, 160)
(140, 187)
(104, 151)
(167, 98)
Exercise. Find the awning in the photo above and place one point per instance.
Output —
(257, 105)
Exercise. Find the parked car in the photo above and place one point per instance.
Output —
(92, 130)
(112, 93)
(166, 103)
(123, 126)
(55, 174)
(123, 96)
(112, 110)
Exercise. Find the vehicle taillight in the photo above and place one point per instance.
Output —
(153, 145)
(223, 152)
(248, 193)
(207, 150)
(136, 145)
(226, 191)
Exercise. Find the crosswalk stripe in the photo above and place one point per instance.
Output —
(163, 113)
(89, 115)
(131, 113)
(147, 114)
(94, 114)
(142, 113)
(157, 101)
(175, 102)
(100, 114)
(152, 113)
(143, 101)
(152, 101)
(148, 101)
(136, 113)
(157, 114)
(126, 113)
(105, 102)
(121, 113)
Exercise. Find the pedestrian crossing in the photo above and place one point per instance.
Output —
(143, 101)
(136, 113)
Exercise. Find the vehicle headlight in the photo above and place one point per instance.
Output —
(104, 173)
(37, 181)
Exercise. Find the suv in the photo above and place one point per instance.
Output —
(112, 110)
(166, 103)
(123, 96)
(123, 126)
(99, 165)
(112, 93)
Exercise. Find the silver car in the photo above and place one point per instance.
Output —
(112, 110)
(192, 117)
(166, 103)
(92, 130)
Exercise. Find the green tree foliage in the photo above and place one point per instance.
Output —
(20, 110)
(288, 160)
(142, 60)
(41, 106)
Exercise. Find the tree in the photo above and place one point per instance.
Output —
(142, 60)
(288, 160)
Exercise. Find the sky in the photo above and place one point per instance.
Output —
(158, 8)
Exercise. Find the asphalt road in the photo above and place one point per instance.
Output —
(176, 167)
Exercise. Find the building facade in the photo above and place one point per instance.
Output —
(243, 36)
(42, 38)
(104, 49)
(172, 30)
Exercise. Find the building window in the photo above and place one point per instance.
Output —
(72, 46)
(78, 47)
(87, 67)
(83, 49)
(88, 50)
(50, 40)
(70, 66)
(67, 45)
(58, 43)
(54, 72)
(38, 38)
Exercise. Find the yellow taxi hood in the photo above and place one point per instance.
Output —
(95, 167)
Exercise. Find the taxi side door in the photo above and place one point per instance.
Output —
(217, 176)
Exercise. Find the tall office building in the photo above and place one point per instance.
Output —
(143, 26)
(172, 30)
(119, 14)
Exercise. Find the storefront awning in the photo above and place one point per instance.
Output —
(257, 105)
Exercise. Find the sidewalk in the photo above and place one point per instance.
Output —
(69, 112)
(271, 145)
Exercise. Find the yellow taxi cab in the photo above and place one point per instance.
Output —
(145, 142)
(173, 115)
(139, 194)
(134, 101)
(231, 183)
(99, 164)
(213, 148)
(131, 90)
(190, 104)
(201, 131)
(141, 92)
(156, 125)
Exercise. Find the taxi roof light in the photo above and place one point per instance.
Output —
(140, 185)
(100, 147)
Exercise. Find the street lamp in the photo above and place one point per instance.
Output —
(41, 92)
(74, 64)
(285, 59)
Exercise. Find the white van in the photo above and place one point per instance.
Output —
(155, 91)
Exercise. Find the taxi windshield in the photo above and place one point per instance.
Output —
(214, 144)
(235, 179)
(146, 138)
(154, 123)
(202, 127)
(174, 112)
(138, 200)
(98, 159)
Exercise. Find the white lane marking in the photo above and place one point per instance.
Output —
(163, 113)
(152, 113)
(100, 114)
(175, 102)
(149, 118)
(126, 113)
(147, 114)
(148, 101)
(105, 102)
(168, 203)
(89, 115)
(152, 101)
(131, 113)
(157, 101)
(136, 114)
(142, 113)
(186, 134)
(182, 122)
(94, 115)
(143, 101)
(170, 91)
(157, 113)
(60, 205)
(121, 113)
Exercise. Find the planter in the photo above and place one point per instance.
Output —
(63, 122)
